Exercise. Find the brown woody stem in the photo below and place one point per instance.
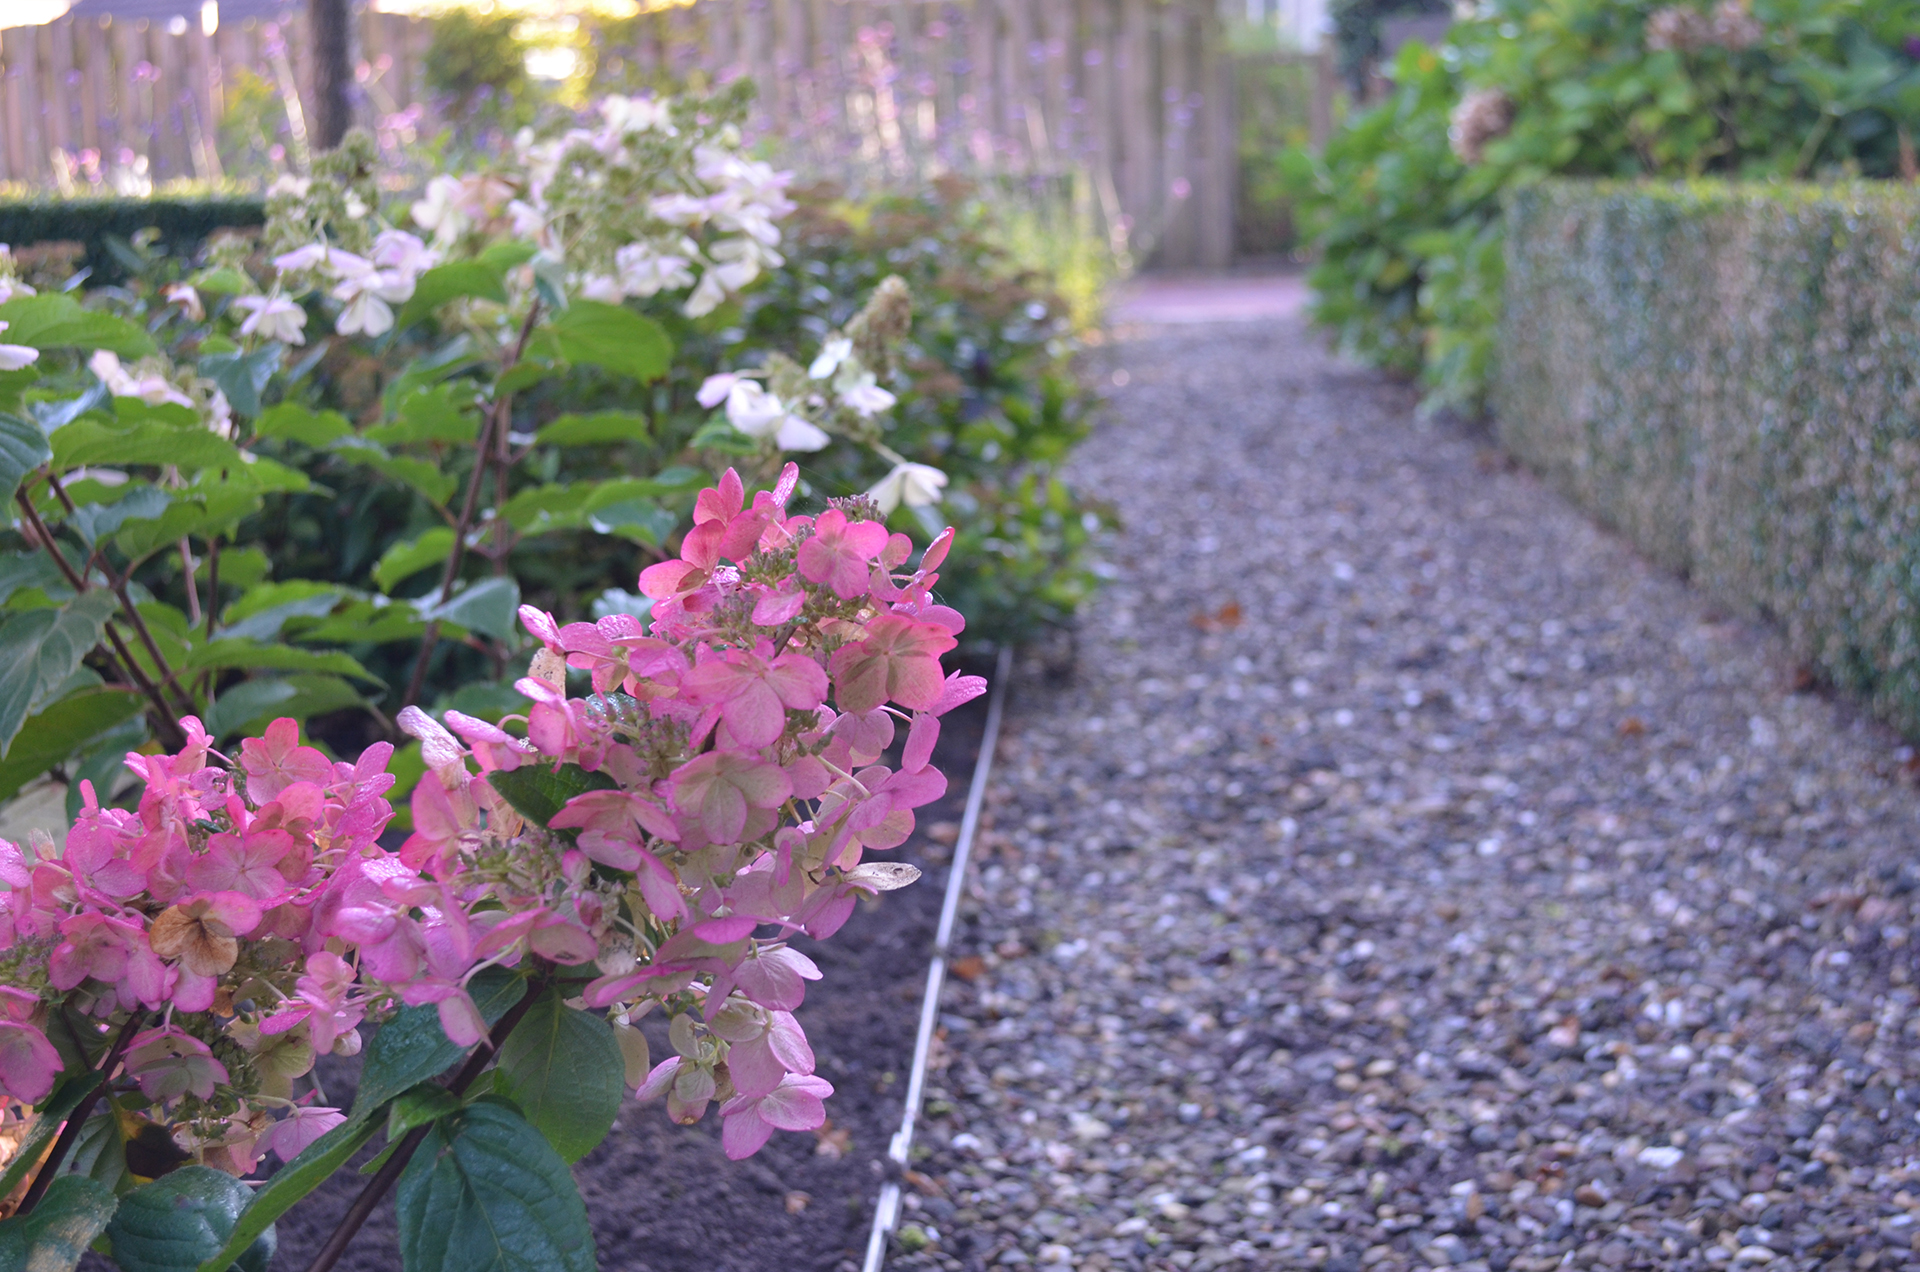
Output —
(389, 1172)
(498, 418)
(70, 1133)
(128, 666)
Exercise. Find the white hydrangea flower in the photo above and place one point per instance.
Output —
(274, 318)
(915, 485)
(13, 356)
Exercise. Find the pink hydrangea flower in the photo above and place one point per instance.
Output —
(797, 1104)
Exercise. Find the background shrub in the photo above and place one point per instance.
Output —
(181, 224)
(1404, 204)
(1729, 375)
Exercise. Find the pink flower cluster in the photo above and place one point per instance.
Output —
(723, 785)
(731, 806)
(212, 891)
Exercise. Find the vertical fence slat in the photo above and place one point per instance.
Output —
(1220, 182)
(11, 143)
(26, 71)
(1135, 88)
(96, 85)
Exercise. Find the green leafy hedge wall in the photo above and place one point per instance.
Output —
(1729, 374)
(183, 223)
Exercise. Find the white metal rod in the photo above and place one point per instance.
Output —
(886, 1211)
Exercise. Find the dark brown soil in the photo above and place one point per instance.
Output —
(663, 1198)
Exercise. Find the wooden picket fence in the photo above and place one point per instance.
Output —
(1128, 103)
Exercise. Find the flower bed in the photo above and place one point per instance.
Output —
(638, 816)
(1725, 374)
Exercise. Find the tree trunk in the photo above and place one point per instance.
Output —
(332, 28)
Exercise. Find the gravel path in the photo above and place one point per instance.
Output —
(1410, 876)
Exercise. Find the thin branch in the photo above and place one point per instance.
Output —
(498, 418)
(70, 1133)
(377, 1187)
(129, 666)
(168, 676)
(119, 586)
(187, 567)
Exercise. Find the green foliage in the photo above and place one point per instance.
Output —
(290, 1184)
(538, 792)
(42, 649)
(182, 1219)
(1273, 88)
(1406, 218)
(182, 224)
(54, 1238)
(477, 64)
(1726, 374)
(487, 1193)
(412, 1047)
(1357, 32)
(563, 1069)
(986, 391)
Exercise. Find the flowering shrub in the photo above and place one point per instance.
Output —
(649, 846)
(1405, 202)
(149, 484)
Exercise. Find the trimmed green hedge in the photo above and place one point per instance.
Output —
(183, 223)
(1730, 375)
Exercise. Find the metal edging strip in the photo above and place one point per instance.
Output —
(886, 1212)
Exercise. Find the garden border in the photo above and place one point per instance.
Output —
(886, 1212)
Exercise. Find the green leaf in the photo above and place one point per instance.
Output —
(419, 1104)
(420, 474)
(292, 1182)
(431, 368)
(503, 256)
(246, 702)
(452, 281)
(527, 372)
(200, 511)
(58, 730)
(613, 337)
(641, 520)
(52, 415)
(302, 424)
(39, 649)
(243, 376)
(442, 413)
(486, 1193)
(718, 435)
(244, 707)
(182, 1219)
(101, 761)
(488, 607)
(94, 522)
(257, 472)
(148, 441)
(412, 1047)
(22, 449)
(257, 656)
(538, 792)
(52, 1112)
(222, 280)
(57, 321)
(71, 1215)
(588, 430)
(265, 608)
(565, 1071)
(404, 560)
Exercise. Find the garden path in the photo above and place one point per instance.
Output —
(1409, 875)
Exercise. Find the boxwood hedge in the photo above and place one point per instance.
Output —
(182, 223)
(1729, 374)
